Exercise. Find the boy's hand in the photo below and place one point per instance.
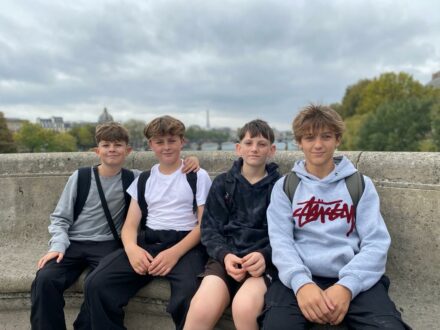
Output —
(139, 259)
(340, 297)
(314, 304)
(191, 164)
(164, 262)
(254, 264)
(49, 256)
(233, 266)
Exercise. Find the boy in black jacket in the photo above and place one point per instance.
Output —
(234, 231)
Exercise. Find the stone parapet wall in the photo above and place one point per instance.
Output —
(408, 184)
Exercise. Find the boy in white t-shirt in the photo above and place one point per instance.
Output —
(169, 246)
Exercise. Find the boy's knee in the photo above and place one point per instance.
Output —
(43, 279)
(94, 283)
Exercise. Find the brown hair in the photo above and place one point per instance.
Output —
(111, 131)
(316, 117)
(256, 127)
(165, 125)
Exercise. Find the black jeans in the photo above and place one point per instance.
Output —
(54, 278)
(371, 309)
(114, 282)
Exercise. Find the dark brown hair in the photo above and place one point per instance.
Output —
(255, 128)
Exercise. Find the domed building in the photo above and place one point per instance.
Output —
(105, 117)
(435, 82)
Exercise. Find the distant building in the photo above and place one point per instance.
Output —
(105, 117)
(14, 124)
(435, 82)
(53, 123)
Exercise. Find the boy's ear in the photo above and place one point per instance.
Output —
(95, 150)
(273, 149)
(128, 150)
(238, 149)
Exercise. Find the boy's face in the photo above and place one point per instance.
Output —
(167, 148)
(319, 147)
(112, 153)
(255, 151)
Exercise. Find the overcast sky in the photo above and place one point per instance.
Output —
(239, 59)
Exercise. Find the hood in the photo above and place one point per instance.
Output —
(271, 169)
(343, 169)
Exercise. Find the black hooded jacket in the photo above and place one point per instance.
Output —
(235, 221)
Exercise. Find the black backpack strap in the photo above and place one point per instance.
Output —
(356, 185)
(105, 207)
(291, 181)
(127, 177)
(142, 181)
(191, 177)
(83, 188)
(230, 185)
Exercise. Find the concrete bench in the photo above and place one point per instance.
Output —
(408, 183)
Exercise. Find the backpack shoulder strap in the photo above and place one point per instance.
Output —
(143, 177)
(83, 188)
(291, 181)
(191, 177)
(356, 185)
(229, 190)
(127, 177)
(104, 205)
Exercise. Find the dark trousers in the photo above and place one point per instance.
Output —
(371, 309)
(54, 278)
(109, 288)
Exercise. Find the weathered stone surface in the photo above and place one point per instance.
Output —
(408, 184)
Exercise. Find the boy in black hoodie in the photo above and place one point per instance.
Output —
(234, 231)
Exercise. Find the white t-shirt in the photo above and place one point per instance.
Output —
(170, 199)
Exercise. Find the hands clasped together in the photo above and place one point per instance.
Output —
(324, 306)
(143, 262)
(252, 263)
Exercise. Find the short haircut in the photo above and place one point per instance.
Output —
(111, 131)
(165, 125)
(315, 118)
(255, 128)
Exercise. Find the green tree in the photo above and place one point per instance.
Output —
(435, 123)
(60, 142)
(84, 135)
(136, 131)
(34, 138)
(396, 126)
(353, 96)
(7, 144)
(367, 103)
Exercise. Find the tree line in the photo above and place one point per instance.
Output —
(392, 112)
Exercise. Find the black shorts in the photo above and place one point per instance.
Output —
(214, 267)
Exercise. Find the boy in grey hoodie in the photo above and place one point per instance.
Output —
(81, 241)
(331, 256)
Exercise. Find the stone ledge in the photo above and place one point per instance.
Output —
(408, 184)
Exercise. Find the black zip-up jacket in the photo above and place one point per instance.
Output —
(235, 222)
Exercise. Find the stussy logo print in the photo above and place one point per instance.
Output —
(313, 210)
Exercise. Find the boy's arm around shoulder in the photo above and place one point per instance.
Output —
(62, 217)
(215, 217)
(368, 265)
(292, 271)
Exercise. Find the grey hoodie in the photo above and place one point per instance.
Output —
(91, 224)
(318, 235)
